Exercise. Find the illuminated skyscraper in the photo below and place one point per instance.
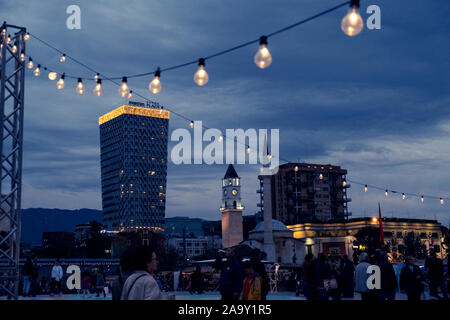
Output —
(133, 144)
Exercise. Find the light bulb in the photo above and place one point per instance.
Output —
(52, 75)
(263, 58)
(123, 89)
(201, 76)
(30, 63)
(344, 183)
(248, 149)
(191, 124)
(14, 48)
(22, 57)
(403, 196)
(441, 200)
(26, 37)
(422, 199)
(97, 76)
(80, 86)
(155, 86)
(60, 82)
(220, 138)
(352, 23)
(365, 188)
(386, 193)
(320, 176)
(8, 41)
(63, 58)
(296, 169)
(130, 94)
(37, 71)
(98, 90)
(4, 32)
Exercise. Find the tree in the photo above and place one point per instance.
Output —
(95, 244)
(368, 239)
(413, 246)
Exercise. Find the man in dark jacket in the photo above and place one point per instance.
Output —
(348, 277)
(435, 269)
(388, 278)
(231, 279)
(411, 280)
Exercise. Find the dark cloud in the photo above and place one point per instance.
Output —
(376, 104)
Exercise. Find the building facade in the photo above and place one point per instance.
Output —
(133, 143)
(231, 209)
(303, 192)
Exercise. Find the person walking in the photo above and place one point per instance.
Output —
(230, 282)
(260, 269)
(34, 287)
(348, 277)
(100, 283)
(197, 281)
(27, 273)
(141, 285)
(56, 277)
(308, 277)
(323, 276)
(411, 280)
(126, 269)
(361, 277)
(388, 278)
(435, 269)
(85, 284)
(252, 286)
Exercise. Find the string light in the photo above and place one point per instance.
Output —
(352, 23)
(263, 58)
(63, 58)
(60, 82)
(14, 48)
(130, 94)
(80, 86)
(155, 86)
(296, 169)
(4, 32)
(403, 196)
(97, 76)
(365, 188)
(26, 37)
(248, 149)
(8, 41)
(22, 57)
(98, 90)
(441, 200)
(52, 75)
(220, 138)
(422, 199)
(321, 176)
(191, 124)
(37, 71)
(123, 89)
(344, 183)
(386, 193)
(201, 76)
(30, 63)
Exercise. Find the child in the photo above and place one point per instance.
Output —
(252, 284)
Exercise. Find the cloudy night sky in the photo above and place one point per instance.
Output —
(377, 104)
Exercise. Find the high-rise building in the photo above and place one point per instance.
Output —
(231, 209)
(133, 143)
(303, 192)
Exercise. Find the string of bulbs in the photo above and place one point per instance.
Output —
(352, 24)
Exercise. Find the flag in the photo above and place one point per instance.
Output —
(380, 221)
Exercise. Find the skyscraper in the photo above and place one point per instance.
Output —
(304, 192)
(133, 144)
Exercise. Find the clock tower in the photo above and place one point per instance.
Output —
(231, 209)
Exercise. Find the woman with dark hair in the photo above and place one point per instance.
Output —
(141, 285)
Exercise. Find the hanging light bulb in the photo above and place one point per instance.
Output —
(52, 75)
(321, 176)
(98, 90)
(30, 63)
(37, 71)
(296, 169)
(4, 32)
(130, 94)
(263, 58)
(155, 86)
(365, 188)
(220, 138)
(22, 57)
(248, 149)
(60, 82)
(403, 196)
(344, 183)
(201, 76)
(123, 89)
(8, 41)
(97, 76)
(63, 58)
(80, 86)
(26, 37)
(386, 193)
(422, 199)
(441, 200)
(191, 124)
(352, 23)
(14, 48)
